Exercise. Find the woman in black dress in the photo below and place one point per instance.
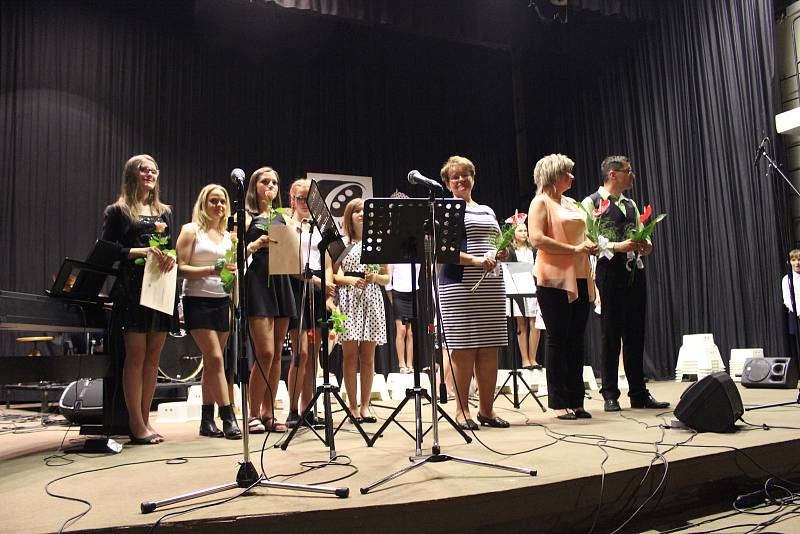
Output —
(270, 302)
(137, 216)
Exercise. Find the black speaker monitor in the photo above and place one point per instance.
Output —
(82, 402)
(779, 373)
(712, 404)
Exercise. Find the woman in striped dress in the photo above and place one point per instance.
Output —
(474, 322)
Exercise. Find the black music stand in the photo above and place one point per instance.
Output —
(513, 292)
(81, 284)
(394, 232)
(334, 246)
(246, 477)
(443, 220)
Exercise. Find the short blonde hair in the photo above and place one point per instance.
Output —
(251, 200)
(353, 205)
(794, 253)
(199, 215)
(456, 161)
(549, 168)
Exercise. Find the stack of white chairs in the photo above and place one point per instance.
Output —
(698, 357)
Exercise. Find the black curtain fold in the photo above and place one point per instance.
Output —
(688, 98)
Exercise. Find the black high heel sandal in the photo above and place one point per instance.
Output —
(494, 422)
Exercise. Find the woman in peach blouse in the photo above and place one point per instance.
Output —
(563, 287)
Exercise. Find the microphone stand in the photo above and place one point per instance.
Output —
(773, 166)
(247, 476)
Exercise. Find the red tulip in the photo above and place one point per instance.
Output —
(517, 218)
(604, 205)
(646, 215)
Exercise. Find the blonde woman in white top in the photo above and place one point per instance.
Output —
(201, 245)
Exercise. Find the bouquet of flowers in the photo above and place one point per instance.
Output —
(640, 232)
(597, 228)
(502, 242)
(158, 240)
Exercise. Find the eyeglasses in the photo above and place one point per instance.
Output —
(148, 170)
(627, 171)
(460, 177)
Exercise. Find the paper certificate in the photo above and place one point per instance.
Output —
(158, 288)
(284, 249)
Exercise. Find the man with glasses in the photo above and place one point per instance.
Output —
(623, 303)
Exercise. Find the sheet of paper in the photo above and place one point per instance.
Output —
(518, 277)
(158, 289)
(284, 250)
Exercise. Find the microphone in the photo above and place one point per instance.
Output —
(759, 152)
(237, 176)
(414, 177)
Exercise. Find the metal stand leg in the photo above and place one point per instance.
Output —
(516, 374)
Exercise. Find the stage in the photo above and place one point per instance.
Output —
(569, 456)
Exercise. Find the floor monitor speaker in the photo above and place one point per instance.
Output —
(769, 373)
(712, 404)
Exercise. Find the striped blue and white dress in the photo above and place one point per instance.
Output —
(474, 320)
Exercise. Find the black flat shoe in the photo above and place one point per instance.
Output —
(468, 424)
(368, 419)
(569, 416)
(580, 413)
(649, 403)
(494, 422)
(611, 405)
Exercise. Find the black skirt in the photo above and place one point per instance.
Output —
(402, 305)
(209, 313)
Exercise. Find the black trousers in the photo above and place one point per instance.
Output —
(566, 325)
(623, 311)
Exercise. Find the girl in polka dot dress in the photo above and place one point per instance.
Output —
(360, 298)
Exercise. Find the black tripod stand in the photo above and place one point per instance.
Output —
(773, 167)
(396, 227)
(331, 244)
(450, 230)
(516, 375)
(247, 476)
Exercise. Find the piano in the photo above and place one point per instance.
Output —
(23, 312)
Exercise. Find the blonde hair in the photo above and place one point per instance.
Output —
(300, 182)
(549, 168)
(353, 205)
(251, 200)
(129, 190)
(794, 253)
(456, 161)
(199, 215)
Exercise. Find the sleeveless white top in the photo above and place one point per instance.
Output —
(206, 253)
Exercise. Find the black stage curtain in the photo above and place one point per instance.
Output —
(688, 97)
(204, 86)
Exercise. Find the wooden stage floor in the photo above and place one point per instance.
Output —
(606, 467)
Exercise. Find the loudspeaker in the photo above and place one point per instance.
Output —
(712, 404)
(769, 373)
(82, 402)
